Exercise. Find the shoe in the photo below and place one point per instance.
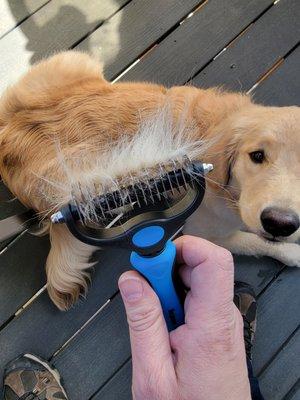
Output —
(245, 301)
(30, 378)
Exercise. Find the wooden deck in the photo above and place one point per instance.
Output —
(248, 45)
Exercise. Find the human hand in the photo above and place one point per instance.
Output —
(205, 357)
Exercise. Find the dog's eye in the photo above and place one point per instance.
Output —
(258, 156)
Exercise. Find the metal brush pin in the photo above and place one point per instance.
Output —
(153, 210)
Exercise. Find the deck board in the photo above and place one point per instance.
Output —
(284, 88)
(98, 350)
(9, 205)
(294, 393)
(258, 272)
(22, 273)
(256, 50)
(133, 30)
(194, 43)
(15, 11)
(42, 322)
(283, 372)
(118, 387)
(55, 27)
(278, 311)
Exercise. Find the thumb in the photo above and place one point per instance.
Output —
(149, 337)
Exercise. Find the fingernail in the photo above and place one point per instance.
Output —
(131, 289)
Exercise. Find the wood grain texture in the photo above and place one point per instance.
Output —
(194, 43)
(22, 273)
(256, 50)
(9, 205)
(294, 393)
(118, 387)
(283, 89)
(283, 372)
(96, 353)
(55, 27)
(42, 329)
(13, 12)
(278, 316)
(126, 35)
(257, 272)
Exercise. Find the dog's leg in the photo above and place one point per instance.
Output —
(66, 267)
(252, 245)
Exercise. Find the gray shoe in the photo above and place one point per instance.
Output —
(30, 378)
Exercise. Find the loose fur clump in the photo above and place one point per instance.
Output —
(160, 144)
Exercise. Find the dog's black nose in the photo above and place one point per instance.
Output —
(279, 222)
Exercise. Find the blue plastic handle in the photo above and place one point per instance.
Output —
(158, 270)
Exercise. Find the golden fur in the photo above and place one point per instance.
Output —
(61, 120)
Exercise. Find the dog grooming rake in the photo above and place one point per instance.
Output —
(143, 217)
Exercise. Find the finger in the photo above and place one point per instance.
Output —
(148, 332)
(207, 270)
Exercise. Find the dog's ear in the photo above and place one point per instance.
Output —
(222, 156)
(47, 76)
(215, 112)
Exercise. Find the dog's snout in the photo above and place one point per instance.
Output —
(279, 222)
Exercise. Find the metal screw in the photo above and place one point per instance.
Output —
(57, 218)
(207, 168)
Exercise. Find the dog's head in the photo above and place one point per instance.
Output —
(265, 170)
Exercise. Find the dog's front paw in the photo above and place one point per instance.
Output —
(288, 254)
(65, 297)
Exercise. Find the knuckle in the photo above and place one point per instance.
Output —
(143, 318)
(226, 255)
(224, 258)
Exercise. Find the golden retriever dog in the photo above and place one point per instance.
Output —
(66, 134)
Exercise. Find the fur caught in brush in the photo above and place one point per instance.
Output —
(68, 135)
(93, 171)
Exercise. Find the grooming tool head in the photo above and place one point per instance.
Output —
(171, 181)
(164, 200)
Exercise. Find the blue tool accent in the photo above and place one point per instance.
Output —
(158, 270)
(149, 236)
